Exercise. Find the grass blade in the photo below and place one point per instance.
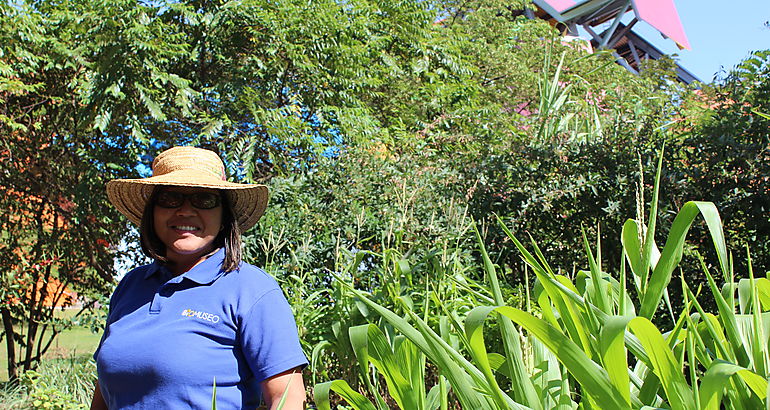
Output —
(214, 395)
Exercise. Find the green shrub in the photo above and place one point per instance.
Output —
(57, 384)
(43, 395)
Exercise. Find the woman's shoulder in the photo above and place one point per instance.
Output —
(251, 277)
(246, 286)
(140, 272)
(131, 280)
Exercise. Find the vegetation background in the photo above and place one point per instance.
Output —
(386, 131)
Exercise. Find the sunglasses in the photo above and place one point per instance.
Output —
(200, 200)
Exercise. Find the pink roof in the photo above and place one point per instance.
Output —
(662, 15)
(561, 5)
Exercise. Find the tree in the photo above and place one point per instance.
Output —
(724, 151)
(58, 231)
(273, 84)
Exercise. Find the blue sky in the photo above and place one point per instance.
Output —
(721, 33)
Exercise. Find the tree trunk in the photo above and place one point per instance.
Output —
(37, 298)
(10, 343)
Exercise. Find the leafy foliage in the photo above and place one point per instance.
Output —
(723, 153)
(61, 384)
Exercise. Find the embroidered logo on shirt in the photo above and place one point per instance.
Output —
(209, 317)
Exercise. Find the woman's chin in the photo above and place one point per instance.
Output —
(187, 253)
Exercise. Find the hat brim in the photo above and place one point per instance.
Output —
(247, 201)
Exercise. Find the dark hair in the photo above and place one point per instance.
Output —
(229, 237)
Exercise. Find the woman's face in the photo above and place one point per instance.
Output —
(183, 225)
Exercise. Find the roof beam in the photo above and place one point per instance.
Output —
(622, 33)
(611, 31)
(634, 53)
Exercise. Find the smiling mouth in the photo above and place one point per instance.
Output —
(186, 228)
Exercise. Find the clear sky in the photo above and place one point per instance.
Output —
(721, 33)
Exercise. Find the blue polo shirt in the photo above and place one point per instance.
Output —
(168, 339)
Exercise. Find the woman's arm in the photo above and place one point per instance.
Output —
(290, 382)
(97, 403)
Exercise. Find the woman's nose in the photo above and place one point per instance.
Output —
(186, 208)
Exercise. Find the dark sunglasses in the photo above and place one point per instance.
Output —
(200, 200)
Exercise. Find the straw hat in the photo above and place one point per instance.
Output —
(188, 167)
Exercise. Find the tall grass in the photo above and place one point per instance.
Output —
(587, 341)
(57, 384)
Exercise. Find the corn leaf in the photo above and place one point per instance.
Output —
(664, 364)
(632, 248)
(728, 320)
(438, 351)
(360, 340)
(590, 375)
(672, 251)
(649, 238)
(383, 358)
(525, 393)
(600, 286)
(614, 356)
(717, 379)
(357, 400)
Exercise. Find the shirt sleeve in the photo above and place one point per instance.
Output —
(269, 337)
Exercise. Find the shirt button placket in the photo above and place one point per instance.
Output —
(160, 296)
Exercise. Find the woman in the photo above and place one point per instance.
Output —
(197, 317)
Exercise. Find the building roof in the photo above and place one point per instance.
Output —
(629, 48)
(660, 14)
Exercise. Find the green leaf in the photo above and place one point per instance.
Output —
(672, 251)
(665, 366)
(214, 395)
(452, 363)
(632, 248)
(717, 378)
(614, 354)
(728, 320)
(525, 393)
(649, 236)
(601, 290)
(357, 400)
(593, 379)
(383, 358)
(153, 107)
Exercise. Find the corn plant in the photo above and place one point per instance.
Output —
(399, 359)
(445, 348)
(437, 291)
(560, 117)
(601, 325)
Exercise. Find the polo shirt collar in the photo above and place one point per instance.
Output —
(153, 268)
(203, 273)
